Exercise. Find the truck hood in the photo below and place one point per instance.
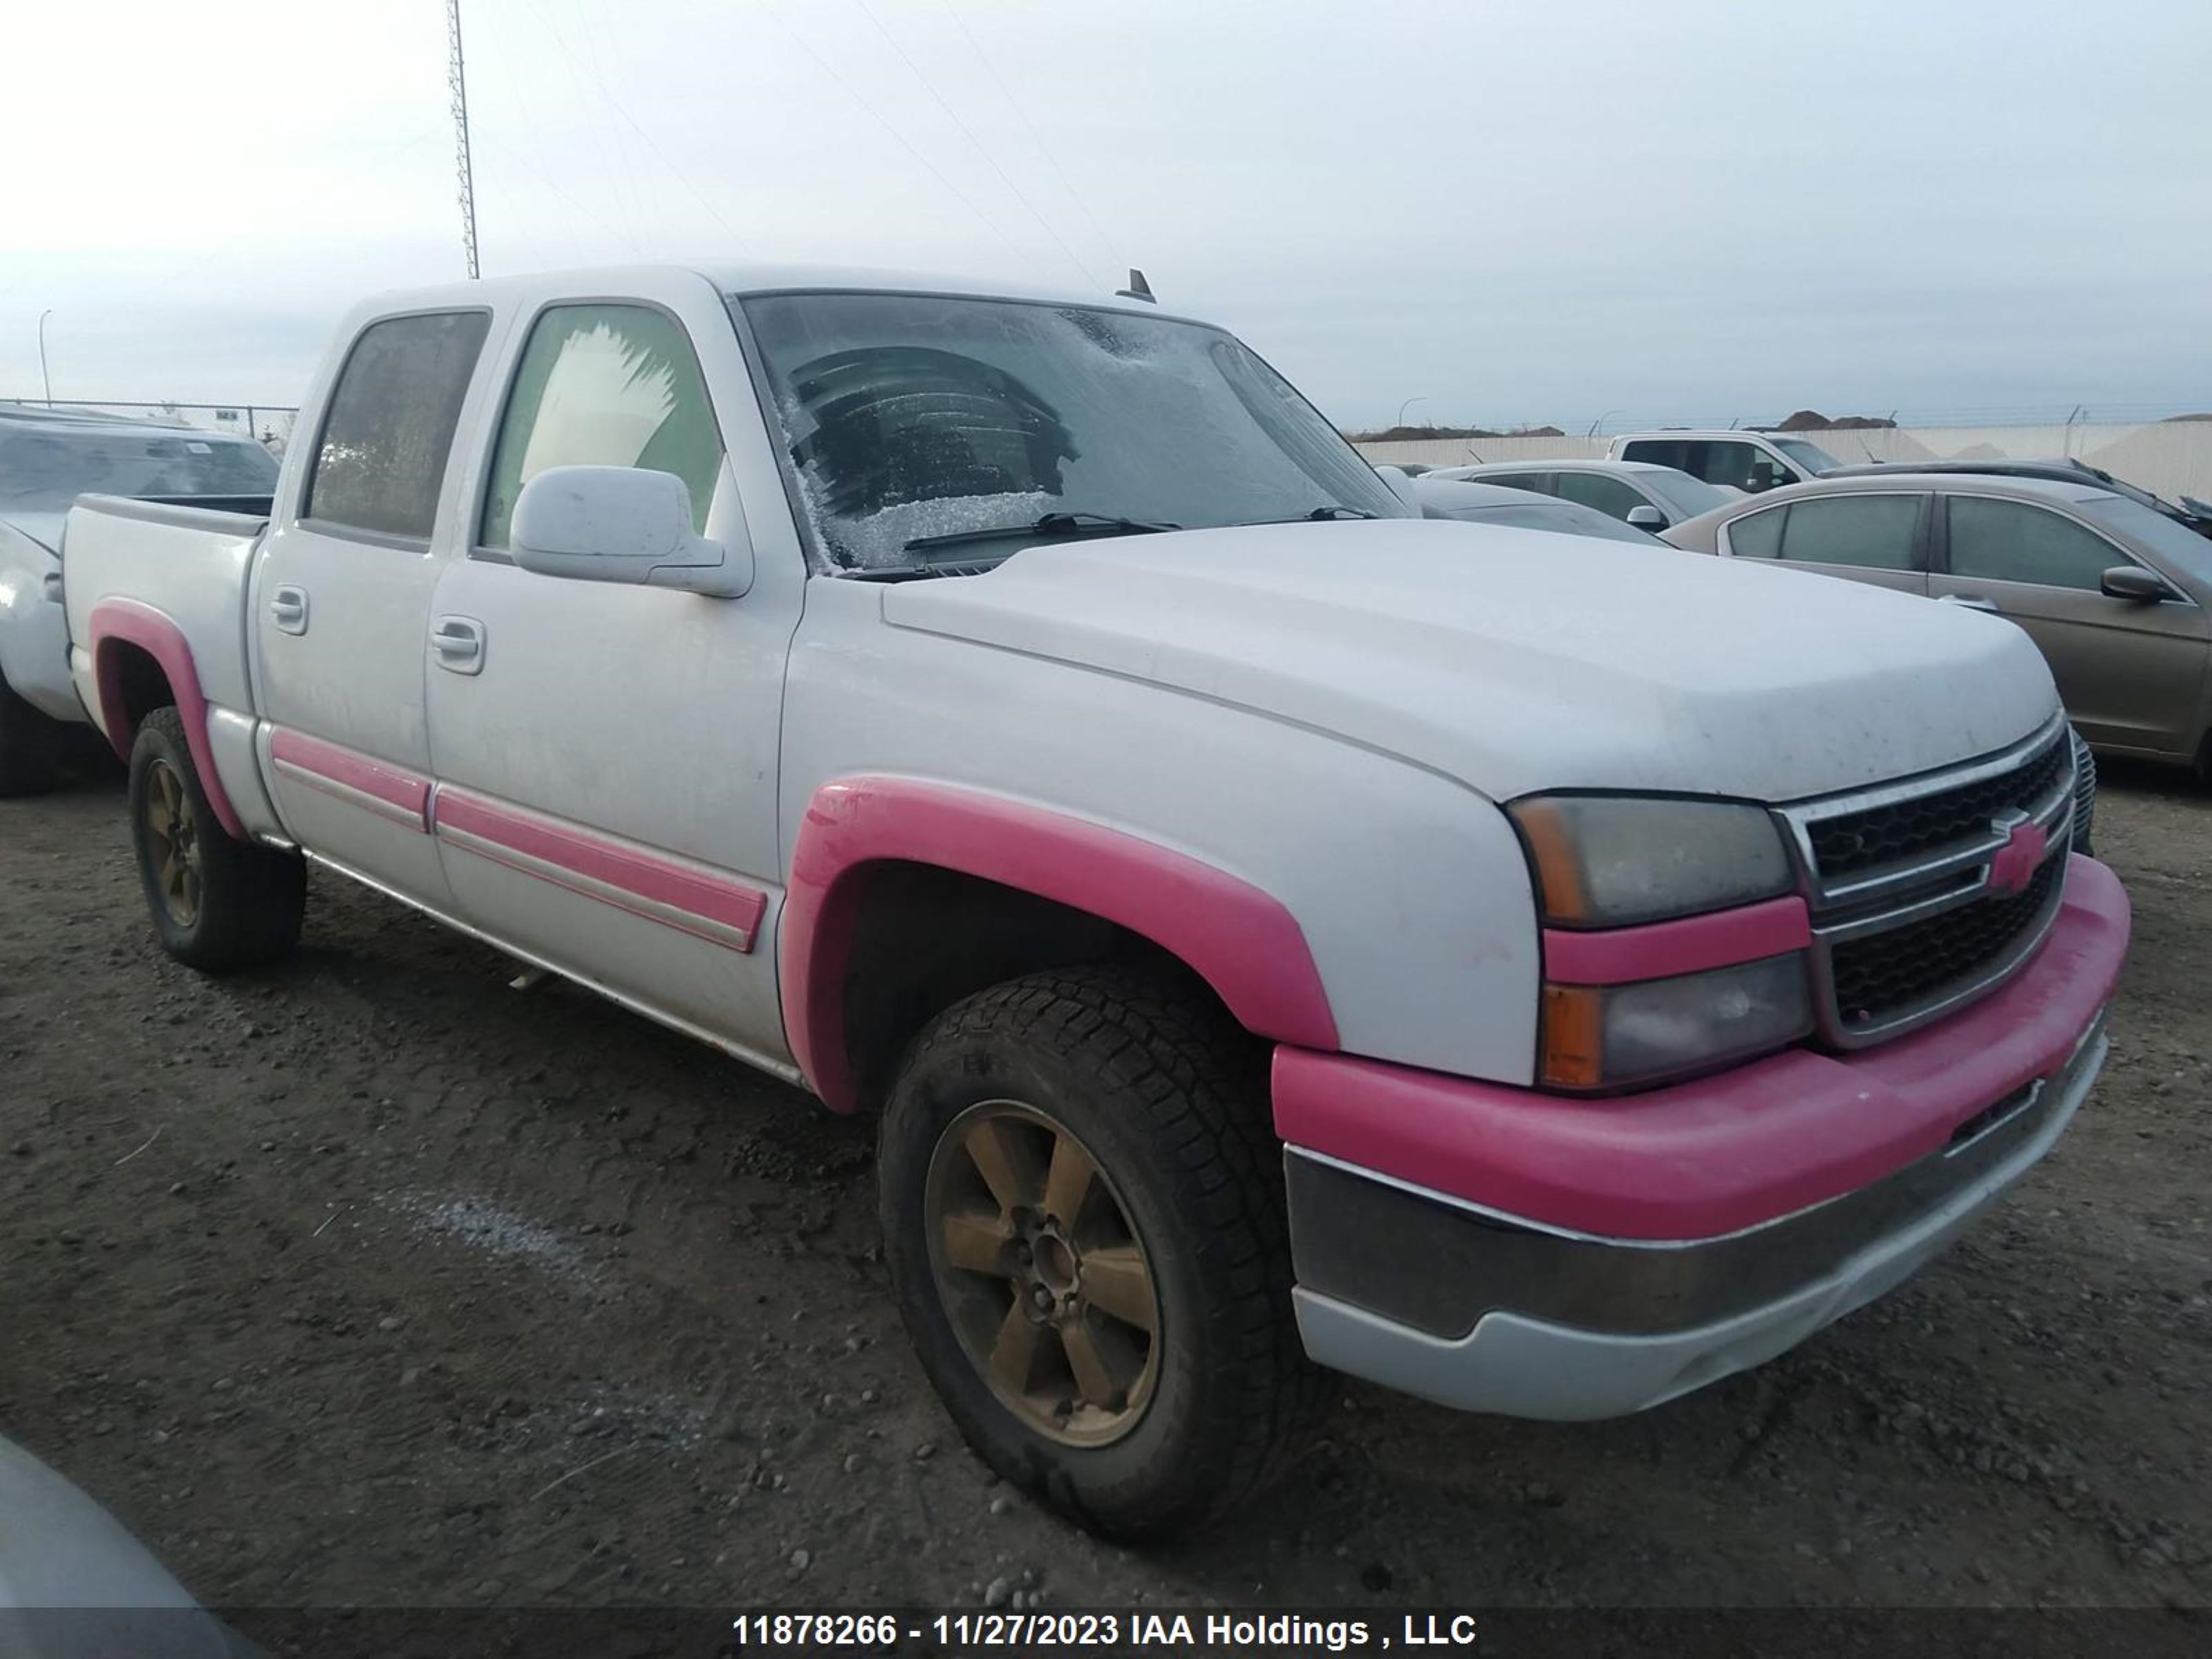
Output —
(1516, 660)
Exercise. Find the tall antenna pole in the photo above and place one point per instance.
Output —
(457, 78)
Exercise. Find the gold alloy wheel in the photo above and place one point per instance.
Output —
(173, 844)
(1044, 1277)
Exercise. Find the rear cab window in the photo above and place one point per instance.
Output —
(388, 431)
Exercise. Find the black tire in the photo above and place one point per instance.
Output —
(1167, 1098)
(30, 746)
(246, 904)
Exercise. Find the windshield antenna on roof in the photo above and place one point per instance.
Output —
(1138, 289)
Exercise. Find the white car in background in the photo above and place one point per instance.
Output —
(1749, 461)
(1638, 493)
(1484, 503)
(47, 459)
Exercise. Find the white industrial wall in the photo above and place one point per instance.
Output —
(2169, 458)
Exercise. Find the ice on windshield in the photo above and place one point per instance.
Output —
(911, 415)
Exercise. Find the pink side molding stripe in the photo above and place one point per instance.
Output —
(674, 891)
(1725, 1152)
(134, 623)
(1241, 940)
(1660, 950)
(395, 785)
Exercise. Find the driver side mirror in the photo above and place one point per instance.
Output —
(1647, 517)
(623, 524)
(2132, 581)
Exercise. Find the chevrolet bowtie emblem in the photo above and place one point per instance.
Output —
(2020, 857)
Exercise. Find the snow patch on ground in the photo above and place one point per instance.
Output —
(482, 1225)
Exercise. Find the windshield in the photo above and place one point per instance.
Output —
(923, 430)
(1687, 495)
(45, 471)
(1811, 457)
(2167, 539)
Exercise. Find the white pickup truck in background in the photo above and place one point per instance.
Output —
(46, 460)
(1539, 974)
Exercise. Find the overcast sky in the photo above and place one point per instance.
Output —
(1508, 211)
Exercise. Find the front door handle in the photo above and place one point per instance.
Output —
(288, 609)
(460, 643)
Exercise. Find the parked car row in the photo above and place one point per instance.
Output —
(1275, 925)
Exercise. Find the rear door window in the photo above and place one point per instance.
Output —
(1661, 452)
(1757, 535)
(389, 429)
(1872, 532)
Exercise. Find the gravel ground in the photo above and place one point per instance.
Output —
(378, 1282)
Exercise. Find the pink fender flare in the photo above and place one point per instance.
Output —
(131, 623)
(1241, 941)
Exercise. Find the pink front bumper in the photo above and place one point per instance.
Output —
(1724, 1153)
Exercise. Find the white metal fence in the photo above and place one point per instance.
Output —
(2169, 458)
(272, 422)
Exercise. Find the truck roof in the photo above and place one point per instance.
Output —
(750, 278)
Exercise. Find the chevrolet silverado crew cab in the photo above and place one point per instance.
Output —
(1273, 927)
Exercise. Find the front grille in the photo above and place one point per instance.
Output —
(2085, 795)
(1905, 927)
(1880, 976)
(1898, 831)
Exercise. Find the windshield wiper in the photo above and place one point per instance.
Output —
(1052, 524)
(1318, 515)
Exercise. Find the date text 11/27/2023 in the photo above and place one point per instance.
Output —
(1281, 1633)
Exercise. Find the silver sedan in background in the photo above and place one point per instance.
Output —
(1637, 493)
(1482, 503)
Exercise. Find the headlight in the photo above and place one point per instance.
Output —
(1604, 862)
(1612, 1036)
(1610, 861)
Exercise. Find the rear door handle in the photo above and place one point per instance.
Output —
(288, 609)
(460, 643)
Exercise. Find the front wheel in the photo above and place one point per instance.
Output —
(218, 903)
(1083, 1215)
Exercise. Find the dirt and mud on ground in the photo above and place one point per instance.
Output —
(376, 1281)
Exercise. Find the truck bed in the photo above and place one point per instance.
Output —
(190, 564)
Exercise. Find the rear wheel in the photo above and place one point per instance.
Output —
(218, 903)
(30, 744)
(1083, 1215)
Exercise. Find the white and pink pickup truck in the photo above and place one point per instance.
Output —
(1541, 976)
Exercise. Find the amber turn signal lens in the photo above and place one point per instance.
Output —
(1559, 871)
(1574, 1036)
